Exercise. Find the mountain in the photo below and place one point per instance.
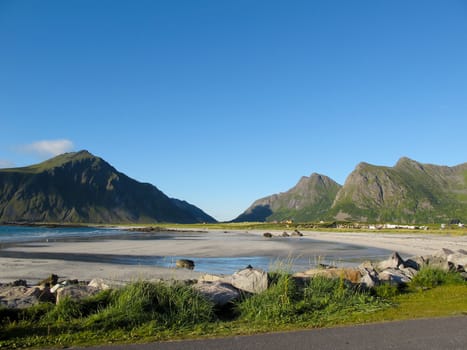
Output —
(309, 200)
(82, 188)
(409, 192)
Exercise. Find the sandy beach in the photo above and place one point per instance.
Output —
(85, 260)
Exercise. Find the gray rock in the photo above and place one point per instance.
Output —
(436, 262)
(409, 272)
(219, 293)
(369, 278)
(369, 274)
(20, 297)
(459, 260)
(391, 263)
(249, 280)
(267, 234)
(394, 276)
(99, 283)
(75, 292)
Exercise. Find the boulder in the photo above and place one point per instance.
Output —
(369, 275)
(458, 260)
(75, 292)
(409, 272)
(285, 234)
(218, 292)
(369, 278)
(435, 261)
(392, 262)
(267, 234)
(185, 264)
(249, 280)
(99, 283)
(20, 297)
(394, 276)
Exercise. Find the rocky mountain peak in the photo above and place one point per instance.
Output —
(406, 193)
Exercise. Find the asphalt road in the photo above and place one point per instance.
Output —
(443, 333)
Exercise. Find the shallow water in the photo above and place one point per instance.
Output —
(301, 254)
(16, 234)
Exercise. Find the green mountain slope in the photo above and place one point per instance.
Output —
(310, 199)
(408, 192)
(80, 187)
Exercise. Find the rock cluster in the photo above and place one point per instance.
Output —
(394, 270)
(18, 295)
(295, 233)
(222, 290)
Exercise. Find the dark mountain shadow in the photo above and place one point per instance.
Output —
(258, 213)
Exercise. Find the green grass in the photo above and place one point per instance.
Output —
(430, 277)
(304, 226)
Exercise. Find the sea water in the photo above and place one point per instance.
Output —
(15, 234)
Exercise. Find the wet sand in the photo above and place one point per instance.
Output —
(117, 259)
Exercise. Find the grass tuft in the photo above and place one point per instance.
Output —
(430, 277)
(140, 302)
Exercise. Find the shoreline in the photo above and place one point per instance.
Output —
(80, 260)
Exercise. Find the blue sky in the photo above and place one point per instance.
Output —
(222, 102)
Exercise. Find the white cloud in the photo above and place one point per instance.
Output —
(6, 164)
(47, 148)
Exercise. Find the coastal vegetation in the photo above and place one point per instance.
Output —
(144, 311)
(323, 226)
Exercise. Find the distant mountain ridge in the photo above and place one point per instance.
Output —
(409, 192)
(79, 187)
(312, 197)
